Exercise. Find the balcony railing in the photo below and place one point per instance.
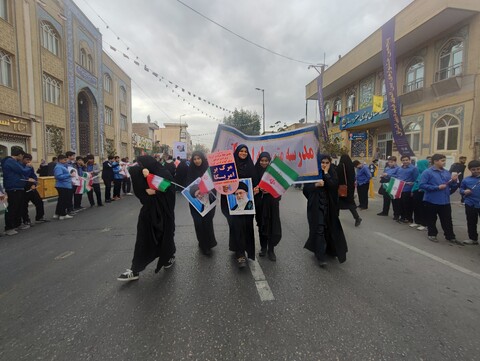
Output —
(413, 85)
(449, 72)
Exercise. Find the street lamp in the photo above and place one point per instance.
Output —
(180, 132)
(263, 97)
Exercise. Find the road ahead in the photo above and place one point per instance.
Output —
(398, 296)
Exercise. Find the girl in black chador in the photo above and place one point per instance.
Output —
(241, 233)
(325, 230)
(267, 213)
(156, 220)
(203, 225)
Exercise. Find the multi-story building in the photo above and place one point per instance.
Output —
(58, 90)
(438, 65)
(143, 137)
(174, 132)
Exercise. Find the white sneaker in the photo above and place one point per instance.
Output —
(11, 232)
(413, 225)
(24, 226)
(470, 242)
(129, 194)
(65, 217)
(128, 276)
(421, 228)
(55, 216)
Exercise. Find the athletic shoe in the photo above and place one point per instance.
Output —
(129, 275)
(382, 214)
(421, 228)
(433, 239)
(11, 232)
(65, 217)
(470, 242)
(55, 216)
(413, 225)
(170, 262)
(455, 241)
(24, 226)
(357, 222)
(322, 264)
(42, 220)
(129, 194)
(242, 262)
(78, 209)
(263, 252)
(71, 214)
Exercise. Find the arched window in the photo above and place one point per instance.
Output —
(337, 105)
(123, 94)
(90, 63)
(51, 89)
(413, 132)
(447, 131)
(451, 59)
(52, 134)
(350, 103)
(107, 83)
(83, 58)
(5, 69)
(50, 38)
(414, 75)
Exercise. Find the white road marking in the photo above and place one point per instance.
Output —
(431, 256)
(261, 283)
(106, 229)
(64, 255)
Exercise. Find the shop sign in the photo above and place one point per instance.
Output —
(357, 136)
(363, 116)
(141, 142)
(15, 125)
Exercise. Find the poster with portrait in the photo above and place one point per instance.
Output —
(224, 171)
(74, 174)
(242, 201)
(202, 202)
(180, 150)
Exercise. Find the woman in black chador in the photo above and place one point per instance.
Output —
(203, 225)
(241, 233)
(156, 221)
(346, 175)
(325, 230)
(267, 213)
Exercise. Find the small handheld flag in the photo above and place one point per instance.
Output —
(158, 183)
(277, 178)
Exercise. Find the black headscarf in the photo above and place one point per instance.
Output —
(154, 167)
(245, 167)
(259, 169)
(193, 171)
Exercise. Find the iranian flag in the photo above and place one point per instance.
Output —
(206, 182)
(394, 188)
(158, 183)
(277, 178)
(85, 185)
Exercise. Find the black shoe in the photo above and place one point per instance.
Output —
(396, 219)
(42, 220)
(382, 214)
(322, 264)
(107, 200)
(170, 262)
(207, 252)
(263, 252)
(129, 275)
(357, 222)
(242, 262)
(100, 205)
(271, 255)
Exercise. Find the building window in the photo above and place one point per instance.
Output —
(108, 116)
(414, 75)
(451, 60)
(447, 131)
(337, 105)
(350, 103)
(124, 150)
(123, 94)
(384, 90)
(51, 89)
(107, 83)
(50, 38)
(52, 134)
(90, 63)
(414, 135)
(83, 58)
(327, 112)
(3, 10)
(5, 69)
(123, 122)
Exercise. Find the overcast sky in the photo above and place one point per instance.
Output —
(205, 59)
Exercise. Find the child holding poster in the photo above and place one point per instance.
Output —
(242, 237)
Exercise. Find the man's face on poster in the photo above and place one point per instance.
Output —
(202, 197)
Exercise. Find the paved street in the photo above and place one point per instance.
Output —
(398, 296)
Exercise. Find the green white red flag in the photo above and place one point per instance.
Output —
(86, 181)
(158, 183)
(206, 182)
(277, 178)
(394, 188)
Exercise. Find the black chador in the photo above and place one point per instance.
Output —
(156, 221)
(203, 225)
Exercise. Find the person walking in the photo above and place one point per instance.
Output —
(325, 229)
(470, 190)
(363, 181)
(203, 225)
(346, 176)
(438, 183)
(267, 213)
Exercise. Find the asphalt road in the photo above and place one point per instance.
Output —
(398, 296)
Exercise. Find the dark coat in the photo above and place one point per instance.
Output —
(51, 169)
(107, 172)
(322, 208)
(156, 221)
(181, 173)
(345, 169)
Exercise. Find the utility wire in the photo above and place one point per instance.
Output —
(243, 38)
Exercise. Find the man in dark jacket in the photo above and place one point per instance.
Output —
(31, 195)
(51, 167)
(107, 177)
(14, 181)
(459, 168)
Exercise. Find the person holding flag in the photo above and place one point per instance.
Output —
(156, 220)
(203, 225)
(470, 190)
(325, 230)
(94, 170)
(267, 212)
